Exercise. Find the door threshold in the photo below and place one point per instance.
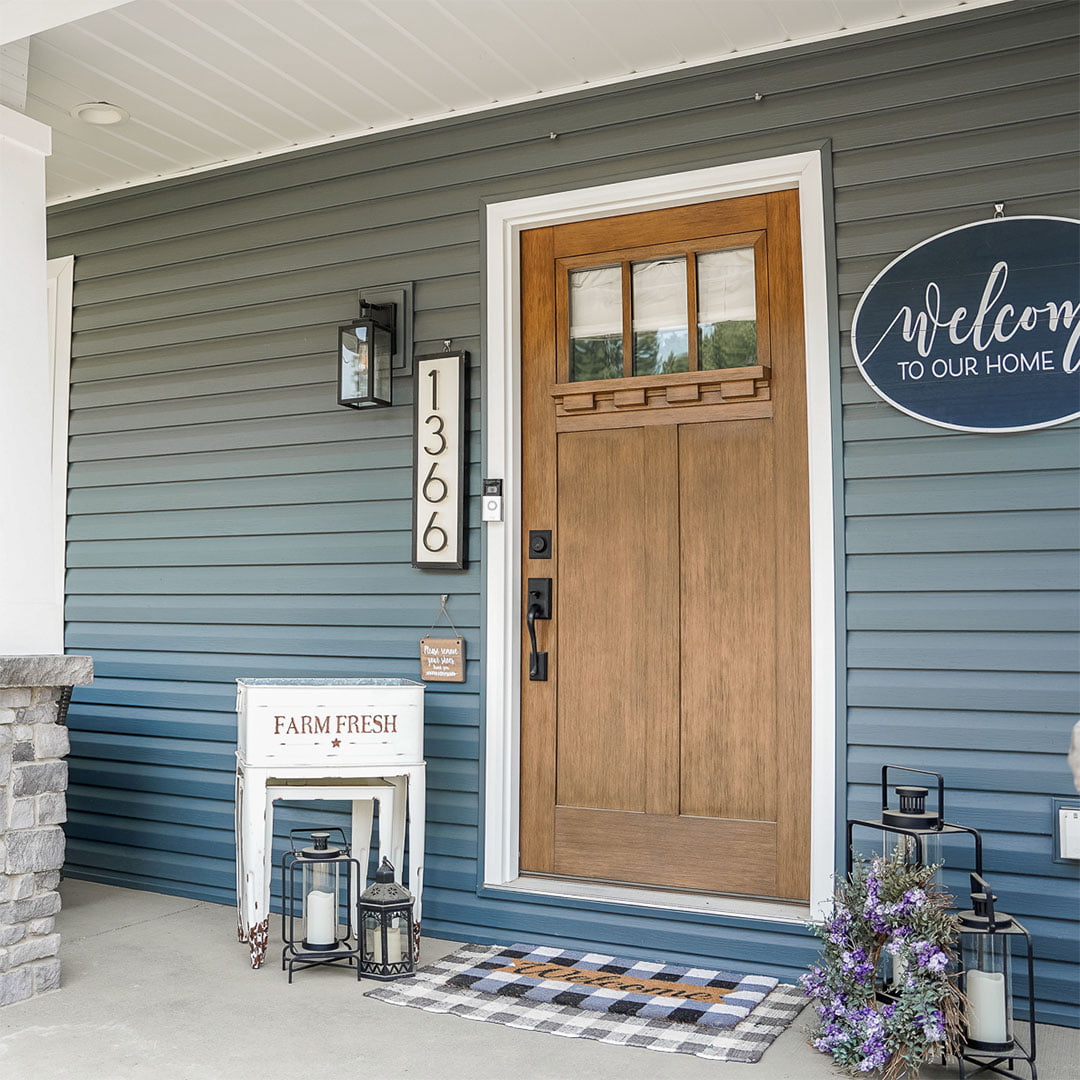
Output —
(738, 907)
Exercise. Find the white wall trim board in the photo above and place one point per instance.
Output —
(61, 279)
(505, 222)
(31, 580)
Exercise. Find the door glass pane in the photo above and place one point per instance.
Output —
(596, 350)
(661, 342)
(727, 309)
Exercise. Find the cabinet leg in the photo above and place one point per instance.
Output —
(255, 825)
(258, 939)
(238, 818)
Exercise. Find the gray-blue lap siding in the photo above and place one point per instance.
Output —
(228, 519)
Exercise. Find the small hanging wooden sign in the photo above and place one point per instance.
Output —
(442, 659)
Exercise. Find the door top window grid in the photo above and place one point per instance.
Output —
(633, 317)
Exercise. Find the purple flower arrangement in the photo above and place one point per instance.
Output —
(887, 908)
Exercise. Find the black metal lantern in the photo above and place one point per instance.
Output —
(318, 902)
(365, 358)
(386, 927)
(918, 830)
(987, 938)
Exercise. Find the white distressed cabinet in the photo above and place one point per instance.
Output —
(355, 740)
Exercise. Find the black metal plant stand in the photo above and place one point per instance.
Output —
(994, 1065)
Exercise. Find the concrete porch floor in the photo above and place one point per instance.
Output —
(157, 987)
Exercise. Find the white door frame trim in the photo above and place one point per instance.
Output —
(502, 366)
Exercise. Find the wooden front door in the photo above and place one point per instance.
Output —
(664, 447)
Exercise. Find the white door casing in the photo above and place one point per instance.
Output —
(504, 223)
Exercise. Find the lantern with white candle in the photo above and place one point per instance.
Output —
(987, 938)
(316, 916)
(386, 927)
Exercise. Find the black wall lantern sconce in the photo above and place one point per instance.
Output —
(921, 831)
(318, 902)
(987, 938)
(366, 350)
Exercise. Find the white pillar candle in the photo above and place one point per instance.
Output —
(393, 946)
(986, 1006)
(321, 911)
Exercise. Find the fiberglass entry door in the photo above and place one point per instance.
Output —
(664, 447)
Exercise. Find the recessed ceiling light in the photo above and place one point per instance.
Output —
(99, 112)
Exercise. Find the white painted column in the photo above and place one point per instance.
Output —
(31, 590)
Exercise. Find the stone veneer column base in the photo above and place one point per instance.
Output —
(33, 786)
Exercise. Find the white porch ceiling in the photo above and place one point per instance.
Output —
(212, 82)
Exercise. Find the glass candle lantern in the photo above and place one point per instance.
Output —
(386, 927)
(917, 831)
(316, 917)
(987, 940)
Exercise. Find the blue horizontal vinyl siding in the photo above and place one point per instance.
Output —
(228, 519)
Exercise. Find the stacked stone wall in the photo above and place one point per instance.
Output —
(33, 785)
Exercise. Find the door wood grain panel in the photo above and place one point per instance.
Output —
(537, 787)
(601, 741)
(657, 849)
(793, 540)
(671, 744)
(729, 746)
(660, 618)
(680, 223)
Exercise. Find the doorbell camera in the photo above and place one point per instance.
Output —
(491, 501)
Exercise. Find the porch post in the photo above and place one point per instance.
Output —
(31, 582)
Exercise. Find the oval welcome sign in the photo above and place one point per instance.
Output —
(978, 328)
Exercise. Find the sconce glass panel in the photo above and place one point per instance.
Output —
(353, 379)
(384, 358)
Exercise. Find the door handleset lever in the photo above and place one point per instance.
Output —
(537, 660)
(538, 607)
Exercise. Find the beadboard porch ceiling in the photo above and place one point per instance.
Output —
(212, 82)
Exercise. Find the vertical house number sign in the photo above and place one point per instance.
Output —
(439, 462)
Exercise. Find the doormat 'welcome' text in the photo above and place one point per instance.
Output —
(608, 981)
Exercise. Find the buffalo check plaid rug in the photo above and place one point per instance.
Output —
(602, 983)
(452, 985)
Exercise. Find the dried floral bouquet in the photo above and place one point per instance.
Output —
(886, 906)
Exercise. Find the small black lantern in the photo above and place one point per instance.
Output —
(365, 358)
(987, 938)
(318, 902)
(919, 830)
(386, 927)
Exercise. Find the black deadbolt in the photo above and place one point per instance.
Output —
(539, 543)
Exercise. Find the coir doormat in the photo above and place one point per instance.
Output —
(668, 1023)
